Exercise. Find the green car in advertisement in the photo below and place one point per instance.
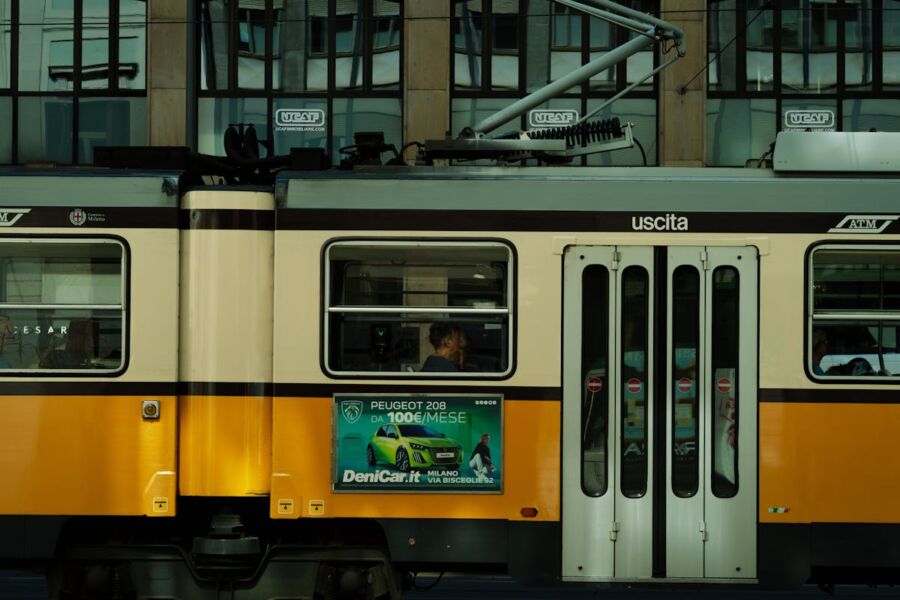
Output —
(413, 447)
(418, 443)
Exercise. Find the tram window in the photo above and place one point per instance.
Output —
(61, 306)
(635, 350)
(854, 312)
(685, 384)
(594, 371)
(725, 377)
(392, 305)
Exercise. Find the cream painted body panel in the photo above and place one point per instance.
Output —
(226, 337)
(781, 309)
(298, 297)
(96, 454)
(226, 295)
(152, 309)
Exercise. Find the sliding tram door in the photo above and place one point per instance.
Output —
(659, 413)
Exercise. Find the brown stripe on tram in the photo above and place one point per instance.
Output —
(547, 220)
(86, 388)
(227, 219)
(831, 395)
(319, 390)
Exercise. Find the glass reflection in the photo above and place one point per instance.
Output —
(602, 40)
(46, 46)
(725, 383)
(760, 26)
(863, 115)
(110, 122)
(638, 65)
(595, 378)
(723, 61)
(467, 27)
(5, 130)
(640, 112)
(214, 44)
(387, 30)
(365, 114)
(45, 129)
(685, 382)
(214, 115)
(132, 44)
(858, 44)
(95, 44)
(634, 400)
(809, 47)
(300, 46)
(5, 42)
(251, 44)
(348, 47)
(738, 130)
(505, 44)
(890, 55)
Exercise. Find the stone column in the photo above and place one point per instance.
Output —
(167, 56)
(682, 118)
(426, 71)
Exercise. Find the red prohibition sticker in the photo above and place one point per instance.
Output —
(633, 385)
(723, 385)
(594, 384)
(685, 385)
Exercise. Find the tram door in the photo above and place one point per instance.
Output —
(659, 413)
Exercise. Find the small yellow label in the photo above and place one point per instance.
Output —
(317, 507)
(160, 504)
(286, 506)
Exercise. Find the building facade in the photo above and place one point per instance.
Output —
(75, 74)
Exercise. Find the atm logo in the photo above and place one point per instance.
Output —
(11, 216)
(864, 224)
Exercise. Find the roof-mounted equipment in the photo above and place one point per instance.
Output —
(584, 136)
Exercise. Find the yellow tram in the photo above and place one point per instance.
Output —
(662, 375)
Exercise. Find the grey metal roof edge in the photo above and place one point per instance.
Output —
(97, 189)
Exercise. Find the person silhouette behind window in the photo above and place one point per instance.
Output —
(820, 349)
(76, 353)
(450, 344)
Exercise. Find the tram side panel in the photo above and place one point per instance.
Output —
(226, 344)
(88, 412)
(828, 498)
(316, 401)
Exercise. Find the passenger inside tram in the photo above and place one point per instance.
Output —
(855, 350)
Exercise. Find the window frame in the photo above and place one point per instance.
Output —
(74, 73)
(271, 95)
(511, 308)
(837, 96)
(860, 315)
(585, 95)
(124, 307)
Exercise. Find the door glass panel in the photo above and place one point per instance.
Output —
(595, 380)
(725, 351)
(685, 392)
(635, 342)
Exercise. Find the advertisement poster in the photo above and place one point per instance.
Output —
(421, 443)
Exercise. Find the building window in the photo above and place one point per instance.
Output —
(418, 309)
(853, 317)
(504, 49)
(819, 55)
(62, 307)
(262, 60)
(72, 77)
